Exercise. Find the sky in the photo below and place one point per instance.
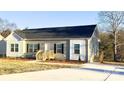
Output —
(40, 19)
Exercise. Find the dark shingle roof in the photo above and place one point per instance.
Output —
(85, 31)
(5, 33)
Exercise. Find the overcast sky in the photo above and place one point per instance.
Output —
(49, 19)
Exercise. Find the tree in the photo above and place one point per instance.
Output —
(5, 25)
(106, 45)
(120, 46)
(113, 20)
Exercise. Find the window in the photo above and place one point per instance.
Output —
(77, 48)
(36, 47)
(14, 47)
(30, 48)
(59, 48)
(33, 47)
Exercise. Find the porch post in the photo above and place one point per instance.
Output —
(68, 49)
(46, 46)
(24, 47)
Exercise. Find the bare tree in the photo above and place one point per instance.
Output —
(5, 25)
(113, 20)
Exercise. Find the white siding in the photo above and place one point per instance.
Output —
(82, 50)
(93, 47)
(14, 39)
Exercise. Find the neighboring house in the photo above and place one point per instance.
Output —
(73, 42)
(5, 33)
(2, 46)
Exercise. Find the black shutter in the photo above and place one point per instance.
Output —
(38, 46)
(54, 48)
(62, 48)
(27, 48)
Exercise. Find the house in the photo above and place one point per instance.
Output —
(2, 46)
(73, 42)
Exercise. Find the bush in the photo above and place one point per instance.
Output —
(51, 55)
(28, 55)
(39, 55)
(47, 55)
(96, 58)
(59, 56)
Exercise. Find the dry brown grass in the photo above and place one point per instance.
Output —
(8, 66)
(114, 63)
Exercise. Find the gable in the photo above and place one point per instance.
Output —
(13, 37)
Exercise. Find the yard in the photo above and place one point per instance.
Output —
(8, 66)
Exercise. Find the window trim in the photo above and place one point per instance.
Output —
(76, 49)
(14, 47)
(60, 49)
(17, 47)
(33, 47)
(30, 47)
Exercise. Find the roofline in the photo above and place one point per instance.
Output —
(14, 33)
(94, 31)
(2, 36)
(55, 39)
(59, 27)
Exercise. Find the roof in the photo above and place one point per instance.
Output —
(85, 31)
(5, 33)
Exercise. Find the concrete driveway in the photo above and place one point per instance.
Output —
(86, 72)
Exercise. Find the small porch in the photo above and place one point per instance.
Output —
(74, 50)
(56, 46)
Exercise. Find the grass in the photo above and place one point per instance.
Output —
(114, 63)
(19, 67)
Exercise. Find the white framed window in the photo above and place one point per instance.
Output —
(33, 47)
(14, 47)
(36, 47)
(30, 48)
(76, 48)
(59, 48)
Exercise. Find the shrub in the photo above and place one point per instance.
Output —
(39, 55)
(96, 58)
(28, 55)
(47, 55)
(59, 56)
(51, 55)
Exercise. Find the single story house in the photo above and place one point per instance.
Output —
(73, 42)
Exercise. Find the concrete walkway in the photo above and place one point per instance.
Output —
(86, 72)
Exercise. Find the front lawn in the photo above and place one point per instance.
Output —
(19, 67)
(114, 63)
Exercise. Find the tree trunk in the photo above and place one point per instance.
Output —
(115, 45)
(101, 58)
(114, 52)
